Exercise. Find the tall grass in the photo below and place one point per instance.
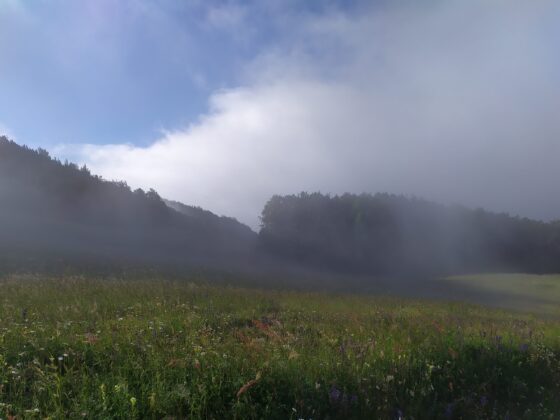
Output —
(83, 348)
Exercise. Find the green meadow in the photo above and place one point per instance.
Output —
(91, 348)
(532, 293)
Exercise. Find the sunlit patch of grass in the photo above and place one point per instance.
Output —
(75, 347)
(525, 292)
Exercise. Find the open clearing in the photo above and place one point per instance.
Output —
(523, 292)
(83, 348)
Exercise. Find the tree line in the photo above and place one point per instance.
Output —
(60, 213)
(389, 234)
(54, 210)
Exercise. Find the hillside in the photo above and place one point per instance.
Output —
(210, 220)
(53, 211)
(57, 213)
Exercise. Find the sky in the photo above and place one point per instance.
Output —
(222, 104)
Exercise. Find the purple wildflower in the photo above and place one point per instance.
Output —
(523, 347)
(483, 400)
(334, 394)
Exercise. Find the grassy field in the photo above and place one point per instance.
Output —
(523, 292)
(83, 348)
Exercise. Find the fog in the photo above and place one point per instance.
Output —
(452, 101)
(324, 238)
(56, 214)
(56, 217)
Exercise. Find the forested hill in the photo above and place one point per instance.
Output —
(387, 234)
(57, 211)
(210, 220)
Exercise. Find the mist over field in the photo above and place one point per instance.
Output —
(58, 216)
(372, 140)
(266, 210)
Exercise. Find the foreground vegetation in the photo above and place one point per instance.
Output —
(82, 348)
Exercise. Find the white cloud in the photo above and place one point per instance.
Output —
(455, 102)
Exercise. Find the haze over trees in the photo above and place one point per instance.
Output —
(388, 234)
(58, 213)
(53, 211)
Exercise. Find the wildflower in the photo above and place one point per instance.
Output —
(133, 402)
(32, 411)
(523, 347)
(483, 400)
(334, 394)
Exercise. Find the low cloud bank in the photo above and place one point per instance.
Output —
(454, 101)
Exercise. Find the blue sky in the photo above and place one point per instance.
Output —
(108, 71)
(224, 103)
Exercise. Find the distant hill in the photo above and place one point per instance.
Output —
(388, 234)
(54, 211)
(210, 220)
